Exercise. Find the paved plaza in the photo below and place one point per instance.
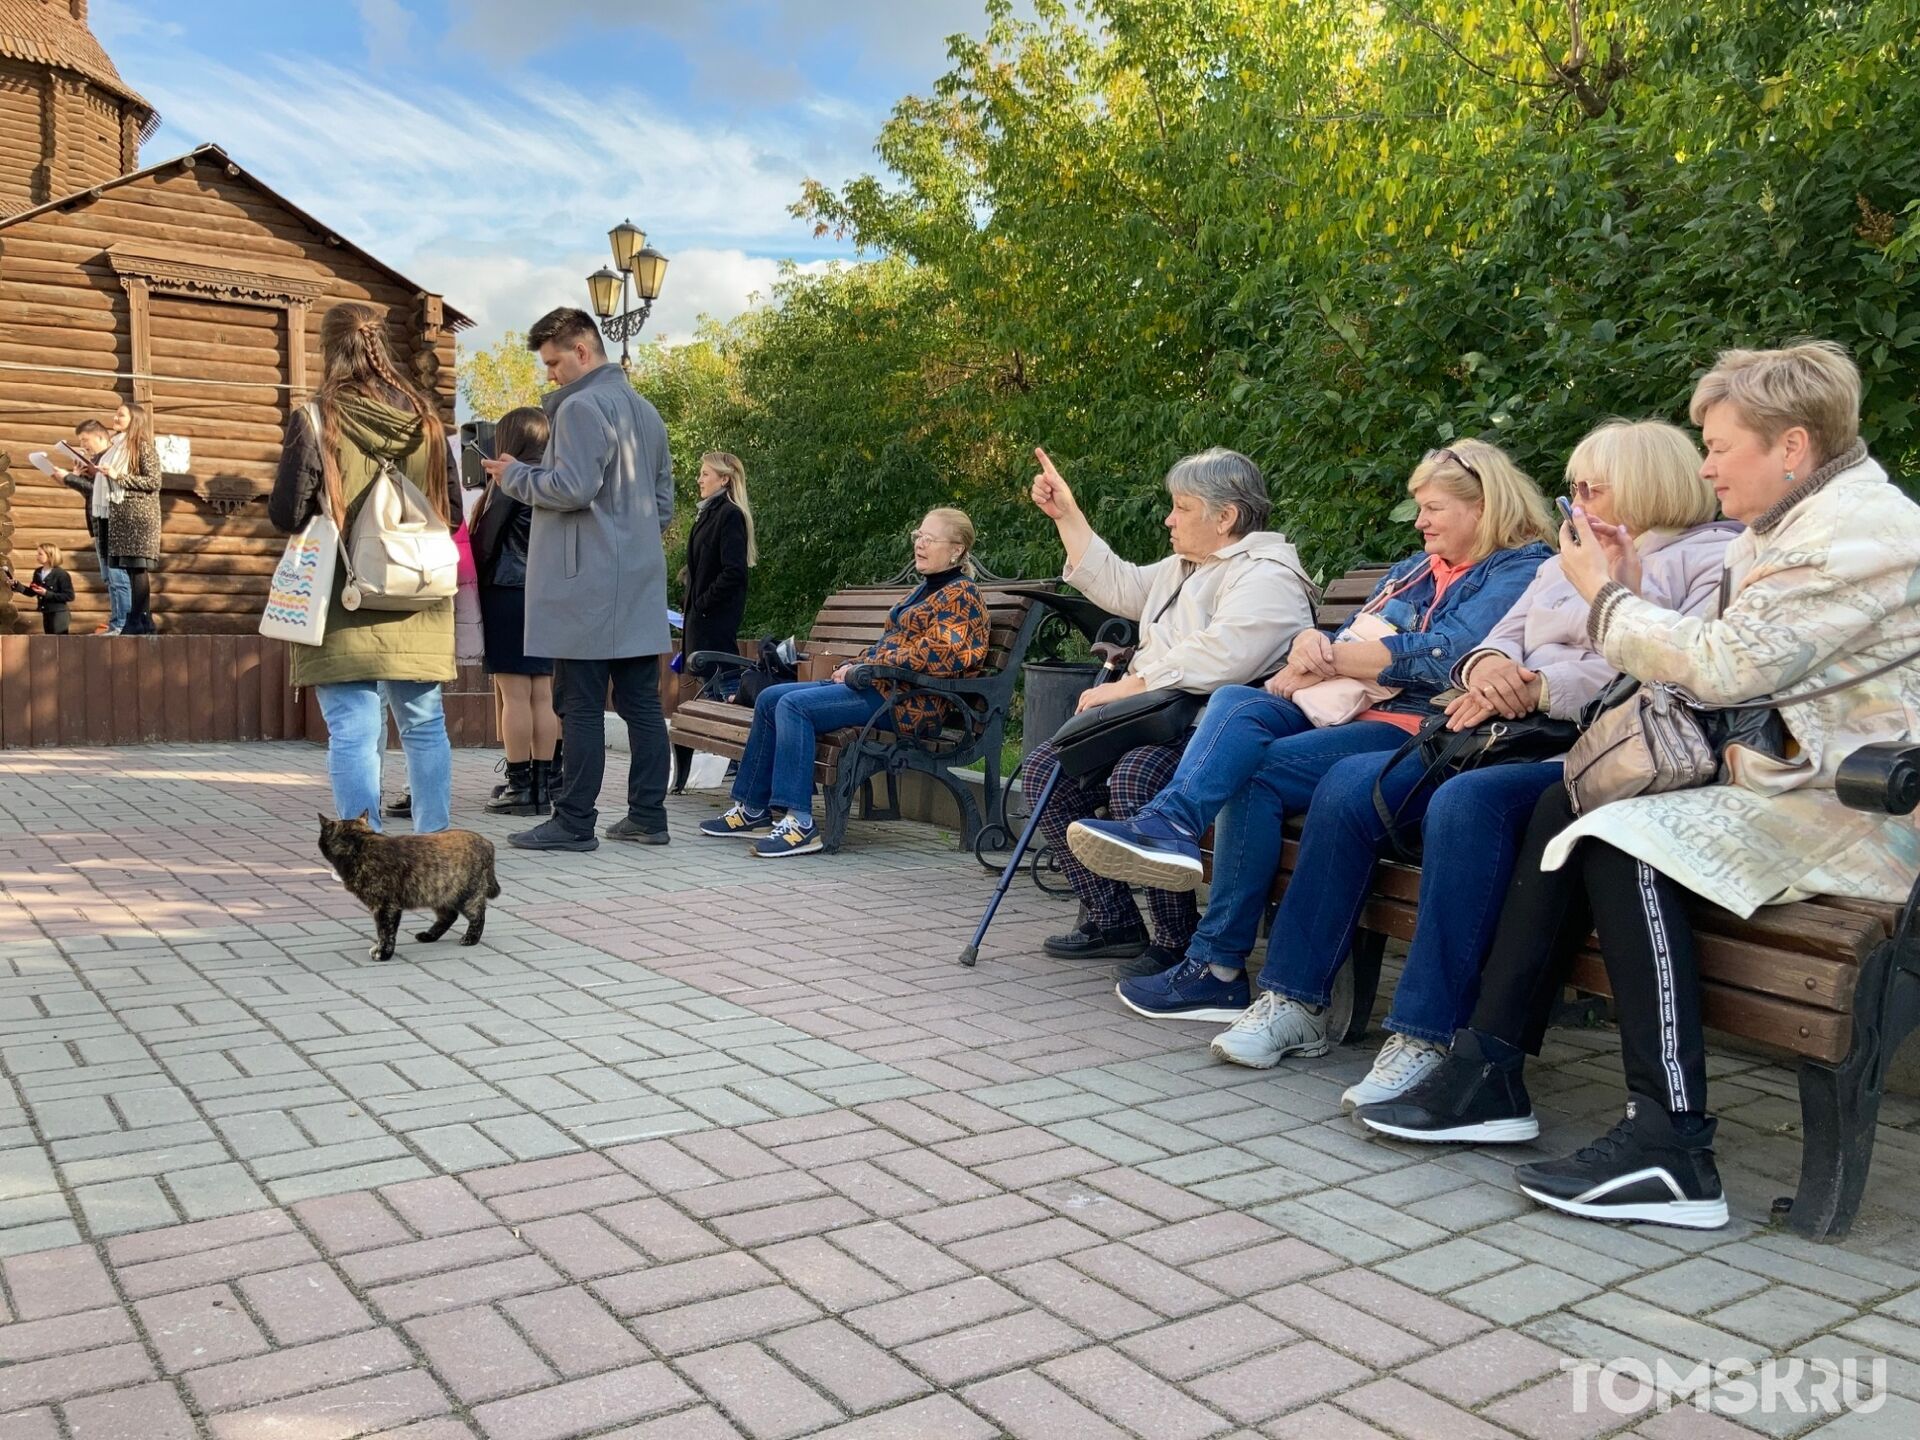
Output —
(694, 1146)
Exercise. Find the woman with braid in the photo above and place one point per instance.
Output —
(371, 660)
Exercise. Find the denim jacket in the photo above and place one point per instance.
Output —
(1424, 656)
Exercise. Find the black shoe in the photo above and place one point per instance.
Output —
(518, 797)
(1087, 941)
(1642, 1169)
(1150, 961)
(626, 829)
(400, 808)
(1467, 1099)
(499, 768)
(550, 834)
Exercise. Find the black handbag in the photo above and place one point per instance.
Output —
(1093, 741)
(772, 668)
(1446, 753)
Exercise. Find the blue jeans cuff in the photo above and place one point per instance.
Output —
(1442, 1038)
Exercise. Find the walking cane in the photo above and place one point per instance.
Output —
(1112, 658)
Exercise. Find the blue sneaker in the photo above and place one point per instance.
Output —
(1145, 850)
(1189, 991)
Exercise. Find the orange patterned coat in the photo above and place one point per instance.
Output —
(942, 632)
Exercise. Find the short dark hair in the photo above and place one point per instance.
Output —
(564, 327)
(91, 427)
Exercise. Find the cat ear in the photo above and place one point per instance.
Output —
(322, 818)
(366, 819)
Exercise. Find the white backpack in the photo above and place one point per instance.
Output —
(399, 554)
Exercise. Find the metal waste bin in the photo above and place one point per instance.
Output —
(1052, 688)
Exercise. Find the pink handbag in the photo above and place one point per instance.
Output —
(1336, 701)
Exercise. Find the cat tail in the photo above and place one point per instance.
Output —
(493, 883)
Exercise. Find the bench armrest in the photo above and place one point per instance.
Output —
(717, 662)
(1883, 778)
(863, 676)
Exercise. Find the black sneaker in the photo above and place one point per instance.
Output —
(1642, 1169)
(400, 807)
(1467, 1099)
(629, 829)
(1087, 941)
(550, 834)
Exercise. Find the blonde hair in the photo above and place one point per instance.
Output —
(724, 462)
(55, 556)
(1813, 384)
(1653, 469)
(1512, 509)
(962, 527)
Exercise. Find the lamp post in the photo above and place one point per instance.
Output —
(638, 264)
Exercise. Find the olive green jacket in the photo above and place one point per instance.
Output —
(361, 644)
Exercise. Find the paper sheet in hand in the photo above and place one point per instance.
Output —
(38, 459)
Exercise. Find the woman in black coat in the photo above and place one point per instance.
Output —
(51, 586)
(529, 729)
(720, 551)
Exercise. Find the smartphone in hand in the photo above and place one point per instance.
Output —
(1566, 511)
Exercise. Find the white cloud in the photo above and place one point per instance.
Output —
(389, 30)
(509, 293)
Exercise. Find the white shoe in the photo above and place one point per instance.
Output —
(1402, 1063)
(1273, 1028)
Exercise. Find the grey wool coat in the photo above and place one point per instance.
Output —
(603, 492)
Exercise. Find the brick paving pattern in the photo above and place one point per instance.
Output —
(695, 1146)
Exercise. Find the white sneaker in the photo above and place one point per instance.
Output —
(1273, 1028)
(1402, 1063)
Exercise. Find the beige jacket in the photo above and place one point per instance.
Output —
(1831, 591)
(1225, 620)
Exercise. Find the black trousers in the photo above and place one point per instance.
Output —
(579, 694)
(54, 621)
(1646, 940)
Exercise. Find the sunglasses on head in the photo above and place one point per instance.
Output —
(1449, 453)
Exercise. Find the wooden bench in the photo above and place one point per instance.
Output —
(846, 762)
(1832, 982)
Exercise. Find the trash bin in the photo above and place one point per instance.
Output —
(1052, 688)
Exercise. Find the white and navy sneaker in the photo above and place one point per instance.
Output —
(1466, 1099)
(738, 823)
(1187, 991)
(789, 837)
(1402, 1063)
(1273, 1028)
(1643, 1169)
(1145, 850)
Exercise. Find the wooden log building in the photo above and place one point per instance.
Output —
(190, 287)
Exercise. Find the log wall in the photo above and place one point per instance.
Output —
(63, 303)
(66, 690)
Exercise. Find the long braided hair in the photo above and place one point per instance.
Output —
(356, 359)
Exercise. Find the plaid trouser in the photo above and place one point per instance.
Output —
(1136, 778)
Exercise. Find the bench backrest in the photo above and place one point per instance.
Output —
(1346, 595)
(853, 619)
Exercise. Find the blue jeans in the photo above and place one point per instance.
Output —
(119, 584)
(1470, 827)
(1253, 758)
(355, 712)
(777, 768)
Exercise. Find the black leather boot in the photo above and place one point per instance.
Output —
(517, 798)
(542, 786)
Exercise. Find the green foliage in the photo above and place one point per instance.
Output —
(1328, 233)
(502, 377)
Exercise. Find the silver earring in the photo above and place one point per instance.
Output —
(1789, 477)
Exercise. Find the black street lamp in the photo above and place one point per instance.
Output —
(638, 264)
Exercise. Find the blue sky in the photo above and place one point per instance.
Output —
(484, 147)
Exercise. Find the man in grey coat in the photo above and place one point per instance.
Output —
(597, 578)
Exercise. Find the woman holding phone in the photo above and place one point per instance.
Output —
(529, 729)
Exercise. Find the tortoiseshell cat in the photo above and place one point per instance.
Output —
(449, 873)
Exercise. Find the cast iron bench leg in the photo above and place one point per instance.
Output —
(1840, 1104)
(682, 767)
(1369, 948)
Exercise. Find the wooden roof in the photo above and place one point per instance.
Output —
(214, 155)
(47, 32)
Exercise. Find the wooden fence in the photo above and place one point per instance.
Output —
(132, 690)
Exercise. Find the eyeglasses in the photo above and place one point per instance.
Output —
(1450, 453)
(1583, 492)
(922, 537)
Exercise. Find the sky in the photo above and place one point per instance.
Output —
(483, 148)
